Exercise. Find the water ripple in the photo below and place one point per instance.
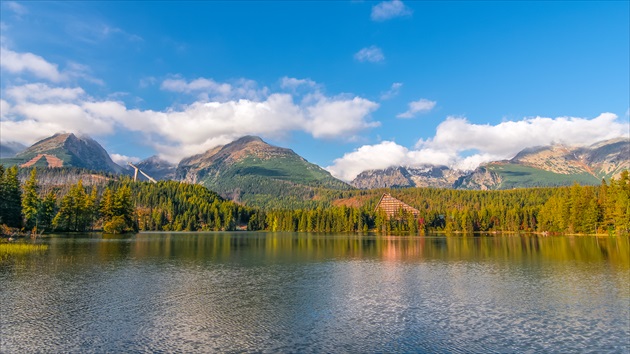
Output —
(86, 299)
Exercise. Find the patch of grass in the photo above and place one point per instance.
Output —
(20, 249)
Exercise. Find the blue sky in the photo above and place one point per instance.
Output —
(348, 85)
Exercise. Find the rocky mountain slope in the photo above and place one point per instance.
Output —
(249, 169)
(401, 177)
(555, 165)
(157, 168)
(252, 171)
(65, 150)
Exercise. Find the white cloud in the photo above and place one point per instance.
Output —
(330, 118)
(392, 92)
(456, 138)
(19, 63)
(293, 83)
(208, 89)
(27, 62)
(5, 108)
(41, 92)
(372, 54)
(420, 106)
(508, 138)
(39, 110)
(390, 9)
(44, 119)
(200, 84)
(123, 159)
(378, 156)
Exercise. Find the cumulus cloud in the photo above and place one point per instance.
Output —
(372, 54)
(378, 156)
(15, 62)
(20, 63)
(390, 9)
(509, 137)
(293, 83)
(123, 159)
(38, 110)
(200, 84)
(43, 119)
(331, 117)
(40, 92)
(416, 107)
(208, 89)
(221, 113)
(460, 144)
(392, 92)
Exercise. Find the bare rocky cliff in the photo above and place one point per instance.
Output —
(400, 177)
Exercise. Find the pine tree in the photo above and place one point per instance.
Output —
(118, 211)
(107, 204)
(47, 211)
(31, 202)
(74, 210)
(10, 198)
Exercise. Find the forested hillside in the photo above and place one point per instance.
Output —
(120, 205)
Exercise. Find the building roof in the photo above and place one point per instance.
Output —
(391, 205)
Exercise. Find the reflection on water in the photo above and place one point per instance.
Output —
(222, 292)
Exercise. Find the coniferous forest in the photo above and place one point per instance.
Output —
(119, 205)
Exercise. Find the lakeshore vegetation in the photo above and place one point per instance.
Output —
(120, 205)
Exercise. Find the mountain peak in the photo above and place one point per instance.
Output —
(249, 167)
(63, 135)
(248, 139)
(66, 149)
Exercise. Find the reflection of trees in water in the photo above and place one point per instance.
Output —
(312, 247)
(253, 247)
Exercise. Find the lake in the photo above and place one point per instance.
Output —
(285, 292)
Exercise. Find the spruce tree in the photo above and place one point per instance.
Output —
(47, 211)
(11, 198)
(31, 201)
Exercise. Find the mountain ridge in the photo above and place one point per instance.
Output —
(550, 165)
(249, 169)
(66, 150)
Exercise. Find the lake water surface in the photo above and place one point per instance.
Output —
(283, 292)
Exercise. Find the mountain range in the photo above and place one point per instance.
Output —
(554, 165)
(251, 171)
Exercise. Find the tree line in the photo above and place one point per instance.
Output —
(115, 206)
(575, 209)
(121, 205)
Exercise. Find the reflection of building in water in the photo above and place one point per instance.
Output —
(391, 206)
(397, 248)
